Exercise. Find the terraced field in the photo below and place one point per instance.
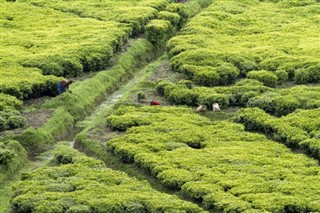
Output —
(103, 148)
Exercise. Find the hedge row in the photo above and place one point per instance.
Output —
(10, 117)
(25, 83)
(32, 48)
(245, 93)
(219, 163)
(233, 38)
(135, 13)
(12, 157)
(78, 183)
(173, 17)
(71, 107)
(297, 130)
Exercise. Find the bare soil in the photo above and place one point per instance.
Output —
(37, 118)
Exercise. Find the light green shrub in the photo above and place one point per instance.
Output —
(266, 77)
(158, 31)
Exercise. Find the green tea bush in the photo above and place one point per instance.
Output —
(235, 32)
(85, 185)
(10, 117)
(307, 75)
(282, 76)
(173, 18)
(158, 31)
(293, 129)
(15, 121)
(227, 172)
(180, 9)
(12, 157)
(161, 84)
(266, 77)
(52, 49)
(180, 95)
(274, 103)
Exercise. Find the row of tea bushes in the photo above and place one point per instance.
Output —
(77, 183)
(245, 93)
(232, 39)
(300, 129)
(10, 117)
(25, 83)
(218, 163)
(135, 13)
(12, 157)
(71, 107)
(46, 44)
(173, 17)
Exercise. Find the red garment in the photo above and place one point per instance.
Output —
(154, 102)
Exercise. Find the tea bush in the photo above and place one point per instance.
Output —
(223, 166)
(10, 117)
(266, 77)
(84, 184)
(245, 93)
(293, 129)
(237, 32)
(158, 31)
(12, 157)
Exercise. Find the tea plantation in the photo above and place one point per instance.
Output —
(101, 147)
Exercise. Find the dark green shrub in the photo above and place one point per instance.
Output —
(266, 77)
(301, 76)
(141, 96)
(16, 121)
(307, 75)
(161, 85)
(6, 156)
(3, 123)
(282, 76)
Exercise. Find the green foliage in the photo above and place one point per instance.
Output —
(141, 96)
(230, 170)
(266, 77)
(293, 129)
(35, 140)
(161, 84)
(9, 102)
(237, 32)
(84, 96)
(173, 18)
(85, 185)
(158, 31)
(307, 75)
(282, 76)
(12, 157)
(11, 119)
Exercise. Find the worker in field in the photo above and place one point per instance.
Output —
(154, 103)
(63, 86)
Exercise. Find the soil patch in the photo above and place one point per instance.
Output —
(37, 118)
(165, 72)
